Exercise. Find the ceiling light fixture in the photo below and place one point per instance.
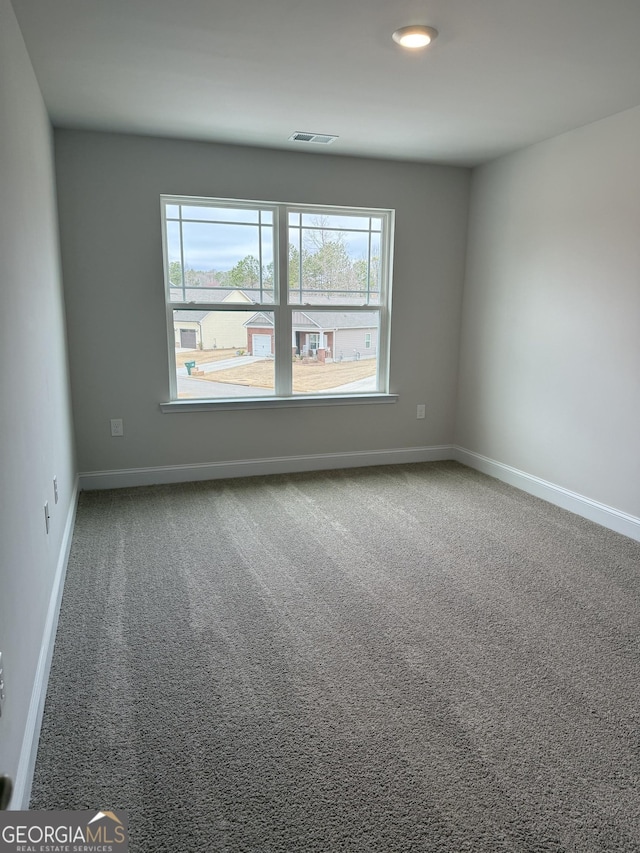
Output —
(415, 36)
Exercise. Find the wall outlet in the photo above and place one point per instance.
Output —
(117, 427)
(47, 517)
(1, 685)
(420, 411)
(55, 489)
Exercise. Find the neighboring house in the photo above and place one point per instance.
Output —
(212, 329)
(332, 335)
(261, 335)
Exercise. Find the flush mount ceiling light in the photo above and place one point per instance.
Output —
(415, 36)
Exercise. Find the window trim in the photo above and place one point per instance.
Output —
(283, 309)
(300, 401)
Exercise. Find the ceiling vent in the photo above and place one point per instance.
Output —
(318, 138)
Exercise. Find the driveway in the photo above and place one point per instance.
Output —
(199, 388)
(359, 386)
(225, 364)
(205, 389)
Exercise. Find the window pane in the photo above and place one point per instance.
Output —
(227, 255)
(335, 351)
(214, 295)
(172, 211)
(221, 214)
(174, 256)
(173, 241)
(330, 265)
(217, 246)
(267, 260)
(373, 275)
(223, 354)
(335, 221)
(334, 297)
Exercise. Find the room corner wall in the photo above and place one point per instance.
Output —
(549, 379)
(36, 441)
(109, 201)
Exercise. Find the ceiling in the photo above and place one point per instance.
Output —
(501, 75)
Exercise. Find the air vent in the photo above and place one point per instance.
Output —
(318, 138)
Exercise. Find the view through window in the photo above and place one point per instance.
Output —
(272, 300)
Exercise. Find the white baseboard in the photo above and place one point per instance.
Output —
(602, 514)
(255, 467)
(29, 751)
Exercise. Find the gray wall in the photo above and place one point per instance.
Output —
(109, 188)
(35, 421)
(550, 357)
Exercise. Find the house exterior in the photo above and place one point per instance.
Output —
(212, 329)
(327, 335)
(261, 335)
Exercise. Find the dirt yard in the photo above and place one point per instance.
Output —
(307, 378)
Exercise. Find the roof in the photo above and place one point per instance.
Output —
(319, 320)
(195, 295)
(259, 319)
(189, 316)
(339, 319)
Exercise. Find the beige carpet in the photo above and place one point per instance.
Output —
(410, 658)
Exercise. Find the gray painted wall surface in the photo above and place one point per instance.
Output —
(35, 420)
(550, 356)
(109, 189)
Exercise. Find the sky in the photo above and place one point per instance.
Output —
(220, 245)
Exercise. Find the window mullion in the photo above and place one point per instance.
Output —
(182, 275)
(171, 337)
(386, 263)
(282, 312)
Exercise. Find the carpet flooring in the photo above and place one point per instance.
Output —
(401, 658)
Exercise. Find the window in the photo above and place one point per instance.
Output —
(270, 301)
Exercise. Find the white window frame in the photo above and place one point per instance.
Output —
(282, 309)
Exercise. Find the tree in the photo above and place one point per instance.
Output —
(371, 271)
(267, 276)
(191, 278)
(326, 263)
(175, 273)
(246, 273)
(222, 278)
(294, 267)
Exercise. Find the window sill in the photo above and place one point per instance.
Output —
(176, 406)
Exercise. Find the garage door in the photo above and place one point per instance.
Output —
(188, 338)
(261, 345)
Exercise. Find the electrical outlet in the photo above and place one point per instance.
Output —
(55, 489)
(1, 685)
(47, 517)
(117, 427)
(420, 411)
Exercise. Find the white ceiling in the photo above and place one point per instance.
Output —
(502, 74)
